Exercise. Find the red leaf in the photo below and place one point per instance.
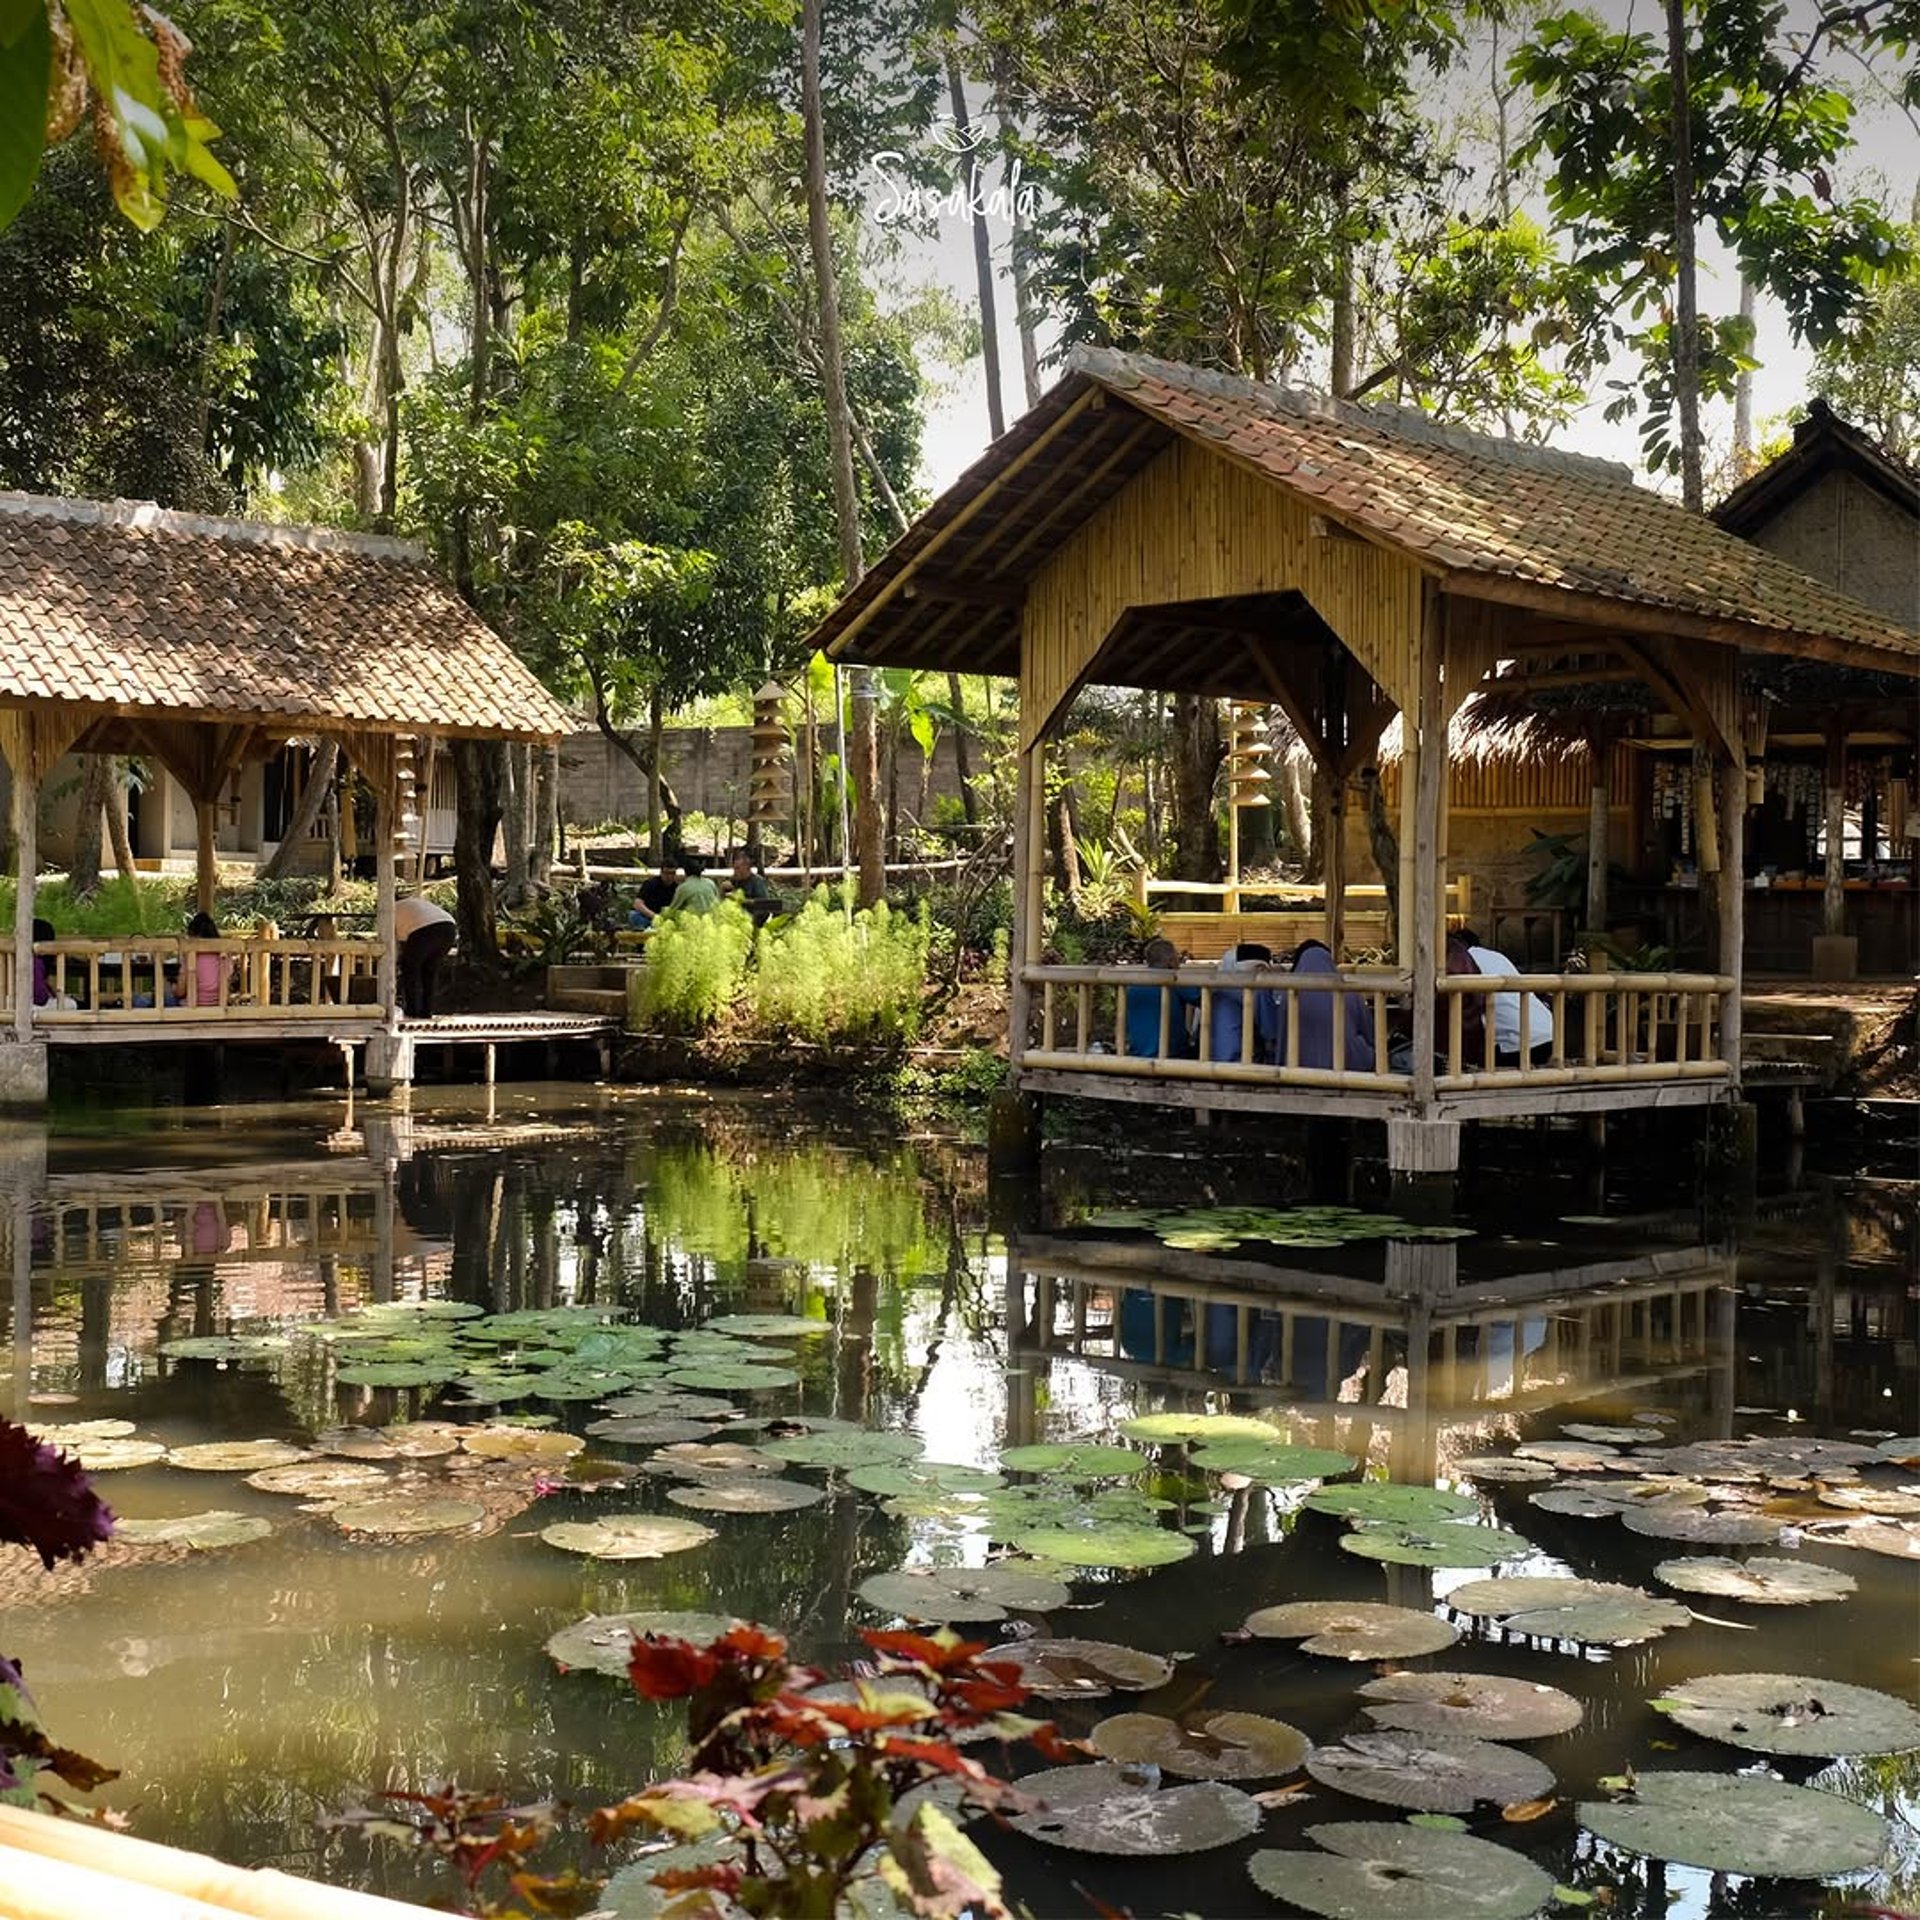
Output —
(669, 1669)
(941, 1654)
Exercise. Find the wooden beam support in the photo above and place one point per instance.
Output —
(26, 844)
(1732, 904)
(1420, 902)
(969, 591)
(1074, 496)
(1287, 698)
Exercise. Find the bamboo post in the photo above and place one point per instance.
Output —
(205, 872)
(385, 854)
(1427, 739)
(1733, 907)
(1833, 916)
(1333, 866)
(26, 843)
(1028, 893)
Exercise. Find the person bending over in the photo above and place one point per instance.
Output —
(425, 932)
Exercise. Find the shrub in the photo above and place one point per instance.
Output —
(695, 964)
(827, 976)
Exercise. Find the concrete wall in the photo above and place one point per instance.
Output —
(1842, 530)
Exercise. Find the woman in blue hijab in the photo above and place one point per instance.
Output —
(1318, 1011)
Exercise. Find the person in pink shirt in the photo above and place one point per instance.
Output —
(200, 984)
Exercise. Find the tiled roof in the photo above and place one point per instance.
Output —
(127, 606)
(1470, 504)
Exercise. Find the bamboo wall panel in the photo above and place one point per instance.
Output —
(1559, 783)
(1192, 526)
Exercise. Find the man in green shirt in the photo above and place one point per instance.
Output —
(696, 893)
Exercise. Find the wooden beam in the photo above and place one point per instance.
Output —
(837, 648)
(971, 591)
(1288, 700)
(1420, 914)
(1074, 495)
(1732, 904)
(26, 843)
(1676, 690)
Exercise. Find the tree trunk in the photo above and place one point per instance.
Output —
(962, 749)
(1599, 807)
(1319, 825)
(546, 838)
(117, 822)
(1294, 803)
(982, 245)
(1064, 840)
(1197, 752)
(96, 785)
(1022, 250)
(1743, 460)
(476, 766)
(1150, 745)
(516, 810)
(865, 771)
(892, 837)
(1686, 319)
(313, 797)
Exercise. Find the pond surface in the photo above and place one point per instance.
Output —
(245, 1691)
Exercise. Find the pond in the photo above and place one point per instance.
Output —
(276, 1275)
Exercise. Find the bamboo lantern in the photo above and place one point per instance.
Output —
(768, 786)
(1248, 751)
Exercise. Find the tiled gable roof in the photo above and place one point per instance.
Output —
(127, 606)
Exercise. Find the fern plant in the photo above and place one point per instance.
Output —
(695, 965)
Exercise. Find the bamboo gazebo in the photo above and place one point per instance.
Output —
(204, 643)
(1151, 525)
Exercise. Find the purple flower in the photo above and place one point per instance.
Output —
(46, 1501)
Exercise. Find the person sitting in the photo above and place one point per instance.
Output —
(43, 993)
(753, 889)
(1226, 1034)
(696, 893)
(1507, 1010)
(200, 985)
(1318, 1010)
(1142, 1025)
(426, 933)
(655, 896)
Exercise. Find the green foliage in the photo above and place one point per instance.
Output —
(830, 977)
(1561, 878)
(695, 965)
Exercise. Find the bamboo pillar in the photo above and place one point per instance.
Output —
(1425, 731)
(1833, 917)
(1029, 874)
(205, 871)
(1333, 865)
(26, 843)
(386, 852)
(1732, 904)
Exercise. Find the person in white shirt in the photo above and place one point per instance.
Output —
(1506, 1009)
(426, 934)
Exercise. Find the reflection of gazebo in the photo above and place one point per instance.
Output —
(1157, 526)
(203, 644)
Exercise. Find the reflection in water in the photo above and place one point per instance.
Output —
(245, 1692)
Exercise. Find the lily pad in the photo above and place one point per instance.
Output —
(1432, 1772)
(709, 1460)
(424, 1439)
(1382, 1870)
(1203, 1746)
(766, 1326)
(1592, 1612)
(522, 1443)
(1760, 1582)
(963, 1593)
(1105, 1544)
(746, 1493)
(1792, 1713)
(859, 1448)
(201, 1531)
(1890, 1503)
(1445, 1543)
(1905, 1448)
(603, 1642)
(915, 1477)
(1898, 1540)
(633, 1431)
(734, 1377)
(1737, 1823)
(1700, 1527)
(408, 1514)
(232, 1346)
(1383, 1500)
(1615, 1436)
(1109, 1809)
(1575, 1502)
(236, 1456)
(1195, 1429)
(1354, 1629)
(1486, 1706)
(660, 1403)
(355, 1443)
(1503, 1468)
(1272, 1464)
(1068, 1461)
(69, 1434)
(398, 1373)
(628, 1536)
(321, 1479)
(1083, 1669)
(111, 1456)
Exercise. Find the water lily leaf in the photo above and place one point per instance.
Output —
(1108, 1809)
(603, 1642)
(320, 1479)
(404, 1311)
(1184, 1429)
(232, 1346)
(1353, 1629)
(1792, 1713)
(1486, 1706)
(1273, 1464)
(355, 1443)
(628, 1536)
(1904, 1448)
(859, 1448)
(766, 1326)
(398, 1373)
(632, 1431)
(1893, 1503)
(201, 1531)
(1069, 1461)
(111, 1456)
(407, 1514)
(1383, 1500)
(1120, 1217)
(734, 1377)
(1571, 1456)
(963, 1593)
(1083, 1669)
(521, 1443)
(709, 1460)
(1444, 1543)
(1897, 1539)
(1501, 1468)
(1435, 1772)
(1762, 1583)
(1615, 1436)
(1702, 1528)
(1204, 1746)
(1382, 1870)
(1737, 1823)
(424, 1439)
(69, 1434)
(746, 1493)
(662, 1403)
(1592, 1612)
(1102, 1543)
(1575, 1501)
(594, 1384)
(904, 1481)
(236, 1456)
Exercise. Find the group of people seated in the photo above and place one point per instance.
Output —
(1167, 1022)
(686, 884)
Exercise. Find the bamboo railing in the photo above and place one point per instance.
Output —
(146, 978)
